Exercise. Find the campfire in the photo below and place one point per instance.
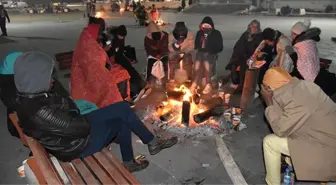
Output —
(185, 114)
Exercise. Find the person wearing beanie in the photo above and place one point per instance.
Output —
(303, 130)
(279, 42)
(242, 51)
(126, 56)
(208, 43)
(181, 49)
(306, 58)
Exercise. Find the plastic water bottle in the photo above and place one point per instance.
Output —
(287, 177)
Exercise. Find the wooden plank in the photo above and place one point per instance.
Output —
(250, 84)
(72, 174)
(122, 170)
(15, 121)
(36, 170)
(110, 169)
(84, 172)
(104, 178)
(46, 166)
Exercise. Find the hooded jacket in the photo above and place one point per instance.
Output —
(214, 43)
(156, 48)
(307, 63)
(187, 46)
(47, 113)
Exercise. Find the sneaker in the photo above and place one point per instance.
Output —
(207, 89)
(161, 144)
(4, 35)
(136, 165)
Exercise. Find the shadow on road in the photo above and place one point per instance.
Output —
(36, 38)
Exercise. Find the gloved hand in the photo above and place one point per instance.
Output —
(289, 50)
(234, 75)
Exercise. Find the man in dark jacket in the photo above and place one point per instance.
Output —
(126, 56)
(8, 89)
(3, 17)
(242, 51)
(48, 114)
(208, 44)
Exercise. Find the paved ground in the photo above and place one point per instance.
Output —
(184, 162)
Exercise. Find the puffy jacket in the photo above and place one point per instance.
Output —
(55, 122)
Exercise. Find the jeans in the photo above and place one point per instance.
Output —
(203, 66)
(274, 146)
(115, 120)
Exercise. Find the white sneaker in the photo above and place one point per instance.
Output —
(207, 89)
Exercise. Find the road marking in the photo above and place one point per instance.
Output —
(228, 162)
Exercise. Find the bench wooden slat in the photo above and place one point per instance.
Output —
(122, 170)
(72, 174)
(109, 168)
(36, 170)
(15, 121)
(47, 168)
(85, 173)
(101, 174)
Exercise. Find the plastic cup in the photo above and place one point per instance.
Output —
(227, 116)
(227, 98)
(20, 171)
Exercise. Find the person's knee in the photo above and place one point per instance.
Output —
(269, 140)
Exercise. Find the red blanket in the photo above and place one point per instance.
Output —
(90, 79)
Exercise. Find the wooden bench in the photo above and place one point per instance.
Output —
(100, 168)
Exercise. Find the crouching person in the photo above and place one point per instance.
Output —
(181, 47)
(156, 46)
(208, 43)
(303, 130)
(48, 114)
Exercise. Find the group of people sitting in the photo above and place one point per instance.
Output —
(104, 83)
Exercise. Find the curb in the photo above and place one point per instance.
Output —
(230, 165)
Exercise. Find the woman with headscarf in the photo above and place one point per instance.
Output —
(208, 43)
(302, 117)
(48, 114)
(156, 47)
(8, 91)
(242, 51)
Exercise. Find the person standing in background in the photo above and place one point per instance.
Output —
(3, 17)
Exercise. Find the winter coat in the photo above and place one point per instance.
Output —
(305, 115)
(156, 48)
(244, 49)
(214, 43)
(187, 46)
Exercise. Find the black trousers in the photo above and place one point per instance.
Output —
(137, 83)
(3, 26)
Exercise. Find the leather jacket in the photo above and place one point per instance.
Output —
(8, 91)
(54, 121)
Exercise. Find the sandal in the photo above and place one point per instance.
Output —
(138, 164)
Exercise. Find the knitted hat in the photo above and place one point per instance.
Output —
(300, 26)
(276, 77)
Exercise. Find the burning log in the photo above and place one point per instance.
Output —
(175, 95)
(167, 116)
(214, 102)
(201, 117)
(185, 113)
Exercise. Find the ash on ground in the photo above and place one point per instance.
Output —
(212, 127)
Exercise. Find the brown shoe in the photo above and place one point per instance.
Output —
(136, 165)
(161, 144)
